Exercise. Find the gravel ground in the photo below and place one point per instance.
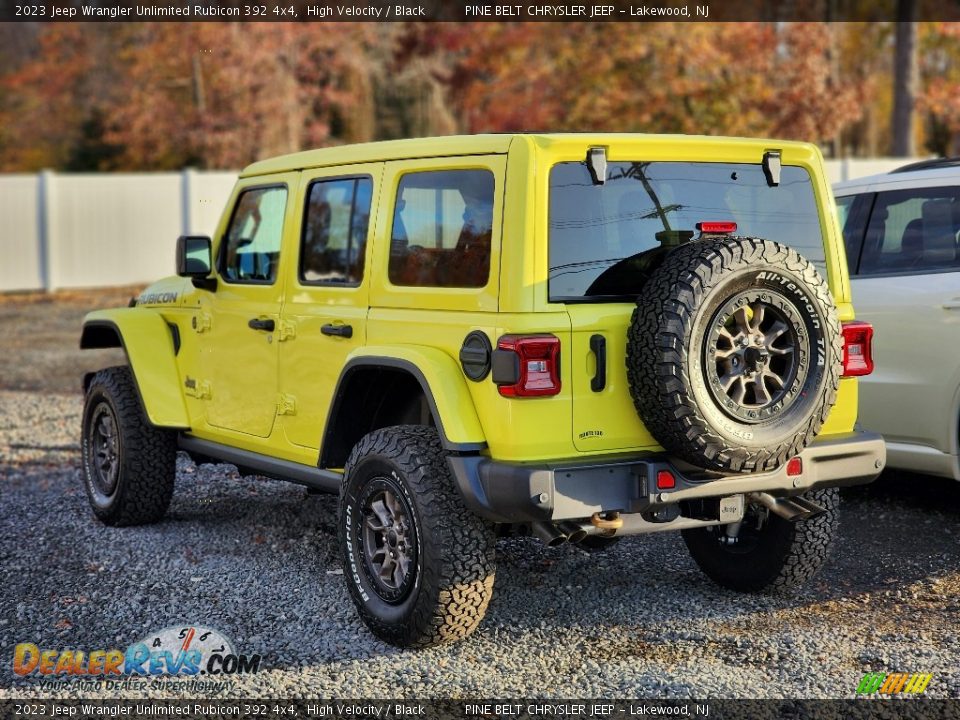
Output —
(257, 560)
(41, 338)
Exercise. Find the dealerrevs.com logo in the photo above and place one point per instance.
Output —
(179, 651)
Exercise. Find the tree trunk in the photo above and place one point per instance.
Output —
(905, 80)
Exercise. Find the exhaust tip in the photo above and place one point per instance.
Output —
(575, 533)
(549, 534)
(791, 509)
(579, 535)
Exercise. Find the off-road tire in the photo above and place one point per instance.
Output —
(454, 564)
(146, 456)
(669, 346)
(780, 557)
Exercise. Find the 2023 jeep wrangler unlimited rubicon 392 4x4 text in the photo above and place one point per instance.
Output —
(577, 336)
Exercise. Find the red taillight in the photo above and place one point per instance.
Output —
(794, 467)
(857, 348)
(527, 365)
(666, 480)
(715, 227)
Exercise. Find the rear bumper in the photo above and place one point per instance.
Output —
(562, 490)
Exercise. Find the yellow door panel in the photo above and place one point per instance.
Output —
(237, 325)
(325, 315)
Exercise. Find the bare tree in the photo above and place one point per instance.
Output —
(906, 79)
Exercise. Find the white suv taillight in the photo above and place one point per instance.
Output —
(527, 365)
(857, 348)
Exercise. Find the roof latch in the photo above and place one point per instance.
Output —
(771, 167)
(597, 163)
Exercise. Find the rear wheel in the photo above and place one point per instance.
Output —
(129, 465)
(419, 565)
(770, 554)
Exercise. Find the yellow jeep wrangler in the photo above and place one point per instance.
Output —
(579, 337)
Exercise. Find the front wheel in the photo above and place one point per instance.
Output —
(770, 554)
(129, 465)
(419, 565)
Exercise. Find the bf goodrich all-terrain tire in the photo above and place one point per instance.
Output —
(129, 466)
(777, 557)
(418, 564)
(733, 354)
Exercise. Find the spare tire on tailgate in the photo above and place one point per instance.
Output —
(734, 353)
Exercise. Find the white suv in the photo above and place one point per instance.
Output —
(901, 232)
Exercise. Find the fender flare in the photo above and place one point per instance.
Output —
(148, 343)
(444, 387)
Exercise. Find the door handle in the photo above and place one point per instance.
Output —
(344, 331)
(598, 345)
(257, 324)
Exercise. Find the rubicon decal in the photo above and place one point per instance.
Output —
(157, 298)
(179, 650)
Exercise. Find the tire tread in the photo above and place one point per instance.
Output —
(657, 367)
(456, 590)
(793, 552)
(148, 458)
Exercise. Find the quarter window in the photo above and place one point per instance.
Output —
(853, 212)
(844, 205)
(251, 248)
(913, 231)
(442, 229)
(335, 231)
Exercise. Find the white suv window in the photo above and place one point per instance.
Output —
(913, 231)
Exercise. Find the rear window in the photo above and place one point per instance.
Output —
(603, 237)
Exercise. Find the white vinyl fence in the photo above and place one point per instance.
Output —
(92, 230)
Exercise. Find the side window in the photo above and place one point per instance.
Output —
(442, 228)
(843, 208)
(251, 249)
(852, 212)
(913, 231)
(335, 231)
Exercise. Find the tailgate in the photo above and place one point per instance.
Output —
(604, 417)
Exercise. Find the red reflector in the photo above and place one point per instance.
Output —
(717, 227)
(794, 467)
(538, 362)
(666, 480)
(857, 348)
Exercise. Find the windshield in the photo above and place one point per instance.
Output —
(604, 237)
